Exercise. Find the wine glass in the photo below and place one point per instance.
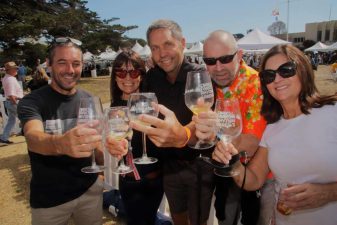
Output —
(229, 126)
(199, 97)
(117, 127)
(90, 112)
(142, 103)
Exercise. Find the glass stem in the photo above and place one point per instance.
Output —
(93, 161)
(144, 146)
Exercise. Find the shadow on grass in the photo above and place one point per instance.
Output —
(19, 168)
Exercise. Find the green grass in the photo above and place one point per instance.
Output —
(99, 86)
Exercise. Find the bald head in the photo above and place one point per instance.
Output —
(222, 39)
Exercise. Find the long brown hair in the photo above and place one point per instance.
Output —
(125, 57)
(309, 96)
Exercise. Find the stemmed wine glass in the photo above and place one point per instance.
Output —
(199, 97)
(229, 126)
(117, 127)
(90, 112)
(142, 103)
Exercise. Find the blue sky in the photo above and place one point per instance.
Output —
(199, 17)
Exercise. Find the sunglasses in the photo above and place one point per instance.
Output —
(62, 40)
(286, 70)
(133, 73)
(223, 59)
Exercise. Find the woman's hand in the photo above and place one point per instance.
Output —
(116, 148)
(309, 196)
(205, 125)
(223, 152)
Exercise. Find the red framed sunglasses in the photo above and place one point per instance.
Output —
(121, 73)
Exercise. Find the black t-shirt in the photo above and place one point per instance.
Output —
(172, 96)
(55, 179)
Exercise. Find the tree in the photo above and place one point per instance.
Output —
(33, 19)
(278, 27)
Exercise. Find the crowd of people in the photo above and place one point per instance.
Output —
(289, 132)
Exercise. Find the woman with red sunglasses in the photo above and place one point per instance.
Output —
(142, 189)
(299, 144)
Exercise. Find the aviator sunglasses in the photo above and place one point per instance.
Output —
(223, 59)
(61, 40)
(122, 73)
(286, 70)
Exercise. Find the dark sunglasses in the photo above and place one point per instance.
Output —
(223, 59)
(133, 73)
(286, 70)
(62, 40)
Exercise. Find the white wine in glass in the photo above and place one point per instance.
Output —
(117, 127)
(142, 103)
(229, 126)
(90, 112)
(199, 97)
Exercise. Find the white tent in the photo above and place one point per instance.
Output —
(196, 49)
(107, 55)
(256, 39)
(332, 47)
(145, 52)
(319, 47)
(137, 47)
(88, 56)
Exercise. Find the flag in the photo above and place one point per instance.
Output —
(275, 12)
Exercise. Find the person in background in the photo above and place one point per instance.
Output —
(57, 147)
(188, 181)
(234, 79)
(22, 71)
(142, 189)
(13, 93)
(39, 79)
(299, 143)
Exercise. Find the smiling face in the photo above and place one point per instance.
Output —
(128, 85)
(66, 69)
(167, 51)
(284, 90)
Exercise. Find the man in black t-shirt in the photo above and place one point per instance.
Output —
(58, 149)
(188, 181)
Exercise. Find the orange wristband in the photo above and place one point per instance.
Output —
(188, 133)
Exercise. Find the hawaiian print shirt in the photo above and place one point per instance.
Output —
(247, 89)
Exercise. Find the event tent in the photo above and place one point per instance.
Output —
(88, 56)
(256, 39)
(137, 47)
(319, 47)
(196, 49)
(145, 52)
(332, 47)
(109, 54)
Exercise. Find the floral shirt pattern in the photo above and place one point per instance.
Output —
(247, 89)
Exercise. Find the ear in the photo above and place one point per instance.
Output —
(239, 54)
(183, 42)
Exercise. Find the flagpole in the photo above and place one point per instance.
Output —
(288, 20)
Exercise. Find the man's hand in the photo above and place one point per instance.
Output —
(163, 133)
(78, 142)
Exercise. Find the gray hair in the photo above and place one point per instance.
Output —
(223, 37)
(165, 24)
